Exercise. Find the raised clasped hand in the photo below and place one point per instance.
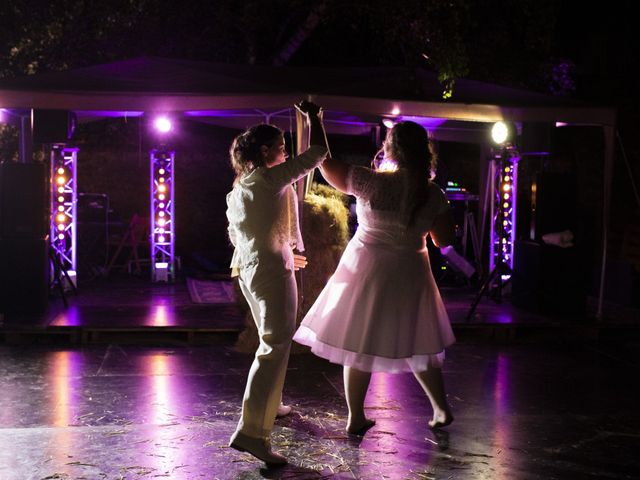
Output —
(308, 108)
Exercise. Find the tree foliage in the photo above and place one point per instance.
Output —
(495, 40)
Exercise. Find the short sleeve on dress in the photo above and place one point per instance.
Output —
(360, 182)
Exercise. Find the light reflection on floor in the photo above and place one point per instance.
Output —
(66, 377)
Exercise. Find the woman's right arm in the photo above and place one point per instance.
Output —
(335, 172)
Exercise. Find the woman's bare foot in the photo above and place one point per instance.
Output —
(441, 418)
(283, 410)
(360, 428)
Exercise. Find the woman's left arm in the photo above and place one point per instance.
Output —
(443, 231)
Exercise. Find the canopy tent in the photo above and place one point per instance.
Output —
(354, 100)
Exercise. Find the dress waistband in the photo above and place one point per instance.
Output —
(396, 241)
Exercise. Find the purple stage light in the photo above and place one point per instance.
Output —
(162, 215)
(63, 206)
(503, 209)
(163, 124)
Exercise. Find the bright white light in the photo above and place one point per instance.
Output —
(395, 111)
(499, 132)
(163, 124)
(387, 122)
(387, 165)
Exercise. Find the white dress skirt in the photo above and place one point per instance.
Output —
(381, 310)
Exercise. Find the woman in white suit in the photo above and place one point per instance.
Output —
(263, 227)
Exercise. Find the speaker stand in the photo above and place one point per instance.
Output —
(498, 271)
(58, 274)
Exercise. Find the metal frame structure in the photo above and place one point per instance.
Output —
(161, 163)
(504, 181)
(64, 202)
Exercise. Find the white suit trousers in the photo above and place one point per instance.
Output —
(272, 294)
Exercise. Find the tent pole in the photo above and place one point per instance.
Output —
(609, 139)
(26, 142)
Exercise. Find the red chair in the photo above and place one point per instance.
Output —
(134, 237)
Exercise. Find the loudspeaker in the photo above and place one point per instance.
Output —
(53, 126)
(23, 200)
(553, 203)
(548, 279)
(24, 275)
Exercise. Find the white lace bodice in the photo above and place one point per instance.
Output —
(383, 208)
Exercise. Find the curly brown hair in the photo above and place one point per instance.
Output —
(245, 148)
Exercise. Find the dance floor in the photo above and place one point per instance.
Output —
(113, 411)
(139, 381)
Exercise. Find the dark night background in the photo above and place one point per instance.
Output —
(554, 47)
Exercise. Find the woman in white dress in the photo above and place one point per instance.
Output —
(263, 228)
(381, 311)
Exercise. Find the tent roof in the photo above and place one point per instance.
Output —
(223, 92)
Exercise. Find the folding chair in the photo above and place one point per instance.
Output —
(135, 235)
